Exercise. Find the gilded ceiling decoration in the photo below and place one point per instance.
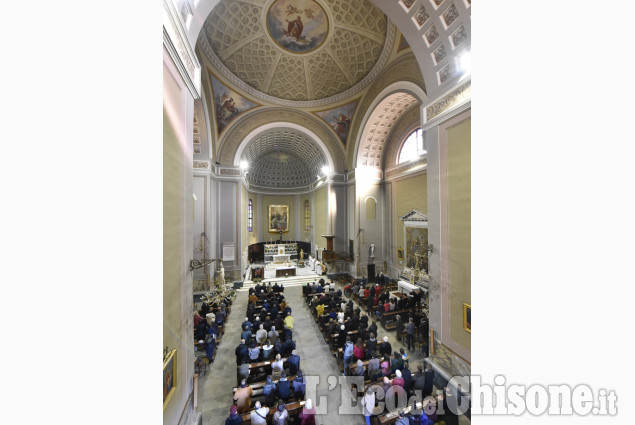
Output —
(298, 52)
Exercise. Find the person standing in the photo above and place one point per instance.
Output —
(308, 414)
(348, 353)
(242, 352)
(281, 416)
(410, 334)
(259, 414)
(299, 386)
(293, 361)
(284, 388)
(261, 335)
(368, 403)
(427, 388)
(269, 390)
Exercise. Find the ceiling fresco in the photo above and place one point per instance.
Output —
(297, 50)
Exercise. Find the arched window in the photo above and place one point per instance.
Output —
(412, 147)
(307, 216)
(250, 216)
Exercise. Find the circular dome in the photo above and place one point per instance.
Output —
(283, 158)
(298, 51)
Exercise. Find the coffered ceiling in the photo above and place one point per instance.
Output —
(339, 48)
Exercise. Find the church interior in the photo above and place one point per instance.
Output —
(316, 167)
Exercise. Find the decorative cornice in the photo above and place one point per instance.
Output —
(449, 101)
(178, 47)
(229, 172)
(407, 168)
(201, 165)
(240, 84)
(337, 177)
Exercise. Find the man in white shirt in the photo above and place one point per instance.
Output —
(259, 414)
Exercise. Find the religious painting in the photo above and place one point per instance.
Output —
(298, 26)
(416, 238)
(467, 317)
(257, 273)
(169, 377)
(339, 118)
(400, 254)
(228, 103)
(278, 218)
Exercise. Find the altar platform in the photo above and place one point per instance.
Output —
(302, 274)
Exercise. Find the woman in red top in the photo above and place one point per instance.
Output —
(386, 306)
(366, 293)
(358, 350)
(308, 414)
(398, 380)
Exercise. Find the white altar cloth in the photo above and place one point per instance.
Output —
(281, 258)
(407, 287)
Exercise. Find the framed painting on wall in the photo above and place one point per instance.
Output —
(278, 218)
(467, 317)
(169, 377)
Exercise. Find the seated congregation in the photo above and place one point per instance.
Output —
(269, 378)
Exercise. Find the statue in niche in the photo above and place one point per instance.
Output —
(371, 253)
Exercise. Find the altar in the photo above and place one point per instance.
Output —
(281, 258)
(280, 253)
(408, 287)
(285, 271)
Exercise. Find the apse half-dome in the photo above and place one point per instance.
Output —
(283, 158)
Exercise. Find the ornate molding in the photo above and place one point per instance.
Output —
(229, 172)
(201, 165)
(252, 120)
(461, 94)
(351, 92)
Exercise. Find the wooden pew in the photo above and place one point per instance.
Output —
(393, 315)
(333, 336)
(257, 387)
(294, 409)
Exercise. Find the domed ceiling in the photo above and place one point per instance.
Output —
(298, 52)
(284, 158)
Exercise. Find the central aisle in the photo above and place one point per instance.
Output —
(215, 389)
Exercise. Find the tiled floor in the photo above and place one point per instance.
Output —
(215, 387)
